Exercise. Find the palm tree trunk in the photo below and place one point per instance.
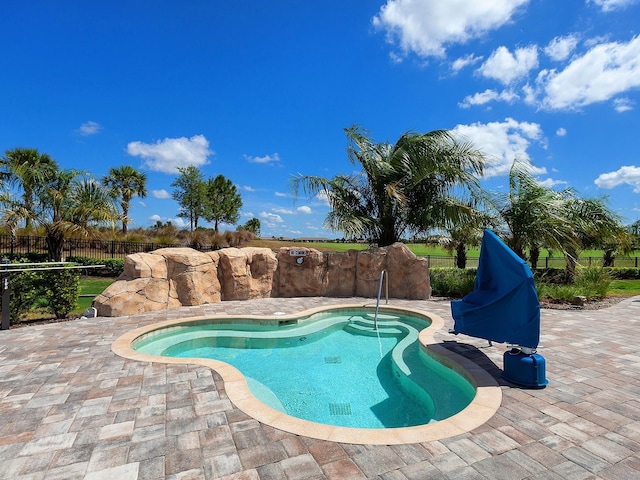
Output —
(461, 255)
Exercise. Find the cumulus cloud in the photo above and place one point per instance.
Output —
(606, 70)
(623, 104)
(284, 211)
(628, 174)
(487, 96)
(271, 217)
(560, 48)
(550, 183)
(280, 194)
(427, 27)
(507, 67)
(160, 194)
(465, 61)
(610, 5)
(89, 128)
(561, 132)
(321, 196)
(269, 159)
(248, 188)
(169, 154)
(304, 209)
(503, 142)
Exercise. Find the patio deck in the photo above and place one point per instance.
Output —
(70, 408)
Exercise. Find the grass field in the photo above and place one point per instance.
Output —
(419, 249)
(89, 288)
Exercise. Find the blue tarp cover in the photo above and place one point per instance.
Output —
(503, 306)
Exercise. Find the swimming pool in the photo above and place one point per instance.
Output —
(329, 374)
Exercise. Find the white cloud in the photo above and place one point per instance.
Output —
(561, 132)
(273, 158)
(427, 27)
(506, 67)
(169, 154)
(248, 188)
(160, 193)
(465, 61)
(628, 174)
(487, 96)
(284, 211)
(623, 104)
(179, 222)
(502, 142)
(304, 209)
(89, 128)
(550, 183)
(603, 72)
(271, 217)
(280, 194)
(321, 196)
(610, 5)
(561, 47)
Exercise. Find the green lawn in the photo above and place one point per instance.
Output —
(624, 288)
(90, 286)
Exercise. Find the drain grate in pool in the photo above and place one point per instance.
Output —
(340, 408)
(332, 360)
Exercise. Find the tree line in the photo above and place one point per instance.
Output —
(425, 183)
(65, 203)
(421, 184)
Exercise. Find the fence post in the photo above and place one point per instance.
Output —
(6, 297)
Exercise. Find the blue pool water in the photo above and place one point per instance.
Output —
(331, 368)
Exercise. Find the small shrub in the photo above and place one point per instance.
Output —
(452, 282)
(549, 275)
(557, 293)
(623, 273)
(113, 267)
(24, 291)
(593, 282)
(62, 290)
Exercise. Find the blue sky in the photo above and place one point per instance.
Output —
(259, 91)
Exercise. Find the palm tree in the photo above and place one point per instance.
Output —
(595, 225)
(26, 169)
(463, 235)
(534, 215)
(125, 182)
(421, 182)
(69, 203)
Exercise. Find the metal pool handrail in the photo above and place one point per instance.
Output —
(383, 275)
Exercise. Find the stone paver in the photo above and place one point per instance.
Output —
(72, 409)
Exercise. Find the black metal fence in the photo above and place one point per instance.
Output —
(105, 249)
(92, 248)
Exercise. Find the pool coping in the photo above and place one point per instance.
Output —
(484, 405)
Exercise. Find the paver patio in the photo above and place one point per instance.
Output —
(70, 408)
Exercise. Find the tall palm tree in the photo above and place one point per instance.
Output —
(534, 215)
(26, 169)
(69, 203)
(125, 182)
(595, 225)
(423, 181)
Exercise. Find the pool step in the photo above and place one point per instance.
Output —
(365, 326)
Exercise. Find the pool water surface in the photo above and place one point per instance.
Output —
(332, 367)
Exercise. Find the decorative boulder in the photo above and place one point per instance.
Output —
(173, 277)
